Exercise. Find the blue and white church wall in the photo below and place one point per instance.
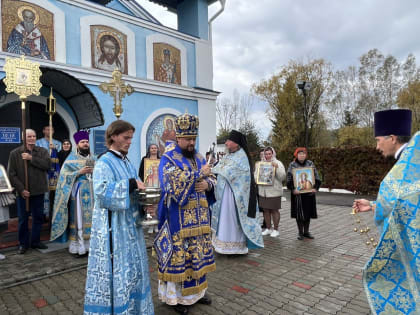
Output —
(170, 71)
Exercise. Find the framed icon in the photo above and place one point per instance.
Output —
(4, 181)
(265, 173)
(304, 179)
(151, 173)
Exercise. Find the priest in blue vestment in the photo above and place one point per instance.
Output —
(183, 243)
(391, 277)
(118, 273)
(45, 141)
(53, 172)
(236, 228)
(75, 185)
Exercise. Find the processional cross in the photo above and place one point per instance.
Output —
(118, 90)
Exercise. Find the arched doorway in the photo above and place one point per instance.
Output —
(77, 108)
(36, 118)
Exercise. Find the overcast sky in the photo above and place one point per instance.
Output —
(253, 39)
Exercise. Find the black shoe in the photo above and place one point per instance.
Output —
(39, 246)
(21, 250)
(206, 300)
(300, 237)
(181, 309)
(308, 235)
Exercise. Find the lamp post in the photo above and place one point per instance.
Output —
(304, 87)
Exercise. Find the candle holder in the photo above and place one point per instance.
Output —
(51, 104)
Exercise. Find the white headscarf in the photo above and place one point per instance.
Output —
(273, 158)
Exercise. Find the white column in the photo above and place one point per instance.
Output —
(207, 128)
(204, 64)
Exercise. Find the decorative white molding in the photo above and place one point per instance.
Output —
(149, 120)
(160, 38)
(96, 77)
(85, 40)
(59, 29)
(112, 13)
(204, 64)
(139, 11)
(68, 120)
(207, 126)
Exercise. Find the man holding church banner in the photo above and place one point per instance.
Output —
(75, 182)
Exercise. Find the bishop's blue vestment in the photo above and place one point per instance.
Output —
(118, 285)
(183, 278)
(392, 275)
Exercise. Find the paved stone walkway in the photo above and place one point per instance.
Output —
(321, 276)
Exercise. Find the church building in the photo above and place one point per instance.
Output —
(78, 43)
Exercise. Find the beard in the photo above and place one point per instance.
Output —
(84, 152)
(188, 154)
(110, 58)
(29, 26)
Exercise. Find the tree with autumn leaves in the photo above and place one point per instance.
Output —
(409, 97)
(340, 104)
(287, 112)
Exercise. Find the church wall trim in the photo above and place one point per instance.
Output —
(204, 64)
(139, 11)
(114, 14)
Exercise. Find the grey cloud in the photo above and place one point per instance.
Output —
(255, 38)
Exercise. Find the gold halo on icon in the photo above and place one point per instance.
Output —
(29, 8)
(101, 34)
(165, 119)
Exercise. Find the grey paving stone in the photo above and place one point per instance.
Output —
(291, 309)
(271, 291)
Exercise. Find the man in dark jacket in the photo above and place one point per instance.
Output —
(39, 162)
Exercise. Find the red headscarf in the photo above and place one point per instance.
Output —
(300, 149)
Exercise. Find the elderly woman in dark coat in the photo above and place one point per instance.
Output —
(303, 205)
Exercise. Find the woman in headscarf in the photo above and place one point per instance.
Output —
(65, 151)
(269, 196)
(303, 205)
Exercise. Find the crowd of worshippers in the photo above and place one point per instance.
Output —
(207, 204)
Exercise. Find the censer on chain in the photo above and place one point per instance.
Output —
(363, 229)
(149, 196)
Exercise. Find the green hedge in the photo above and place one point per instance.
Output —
(358, 169)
